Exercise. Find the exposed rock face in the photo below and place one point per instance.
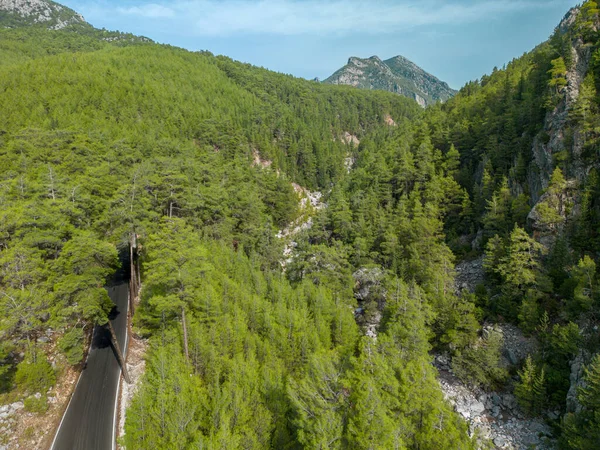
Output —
(552, 138)
(27, 12)
(559, 202)
(469, 274)
(308, 203)
(136, 366)
(370, 295)
(257, 160)
(576, 379)
(350, 139)
(397, 75)
(515, 345)
(8, 420)
(389, 121)
(349, 162)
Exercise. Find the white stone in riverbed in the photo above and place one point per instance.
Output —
(477, 408)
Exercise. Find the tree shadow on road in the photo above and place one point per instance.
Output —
(101, 337)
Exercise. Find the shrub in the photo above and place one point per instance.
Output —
(531, 390)
(36, 405)
(34, 373)
(7, 368)
(71, 344)
(480, 363)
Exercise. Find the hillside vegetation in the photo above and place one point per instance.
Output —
(103, 137)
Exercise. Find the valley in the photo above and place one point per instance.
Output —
(322, 266)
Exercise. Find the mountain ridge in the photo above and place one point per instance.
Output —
(54, 16)
(204, 159)
(397, 74)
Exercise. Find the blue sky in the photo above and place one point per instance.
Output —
(456, 40)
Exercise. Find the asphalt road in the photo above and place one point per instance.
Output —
(88, 423)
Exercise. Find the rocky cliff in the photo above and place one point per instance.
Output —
(396, 74)
(553, 137)
(14, 13)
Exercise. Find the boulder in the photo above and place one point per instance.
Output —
(509, 401)
(496, 400)
(477, 408)
(17, 406)
(531, 440)
(463, 410)
(499, 441)
(512, 357)
(576, 379)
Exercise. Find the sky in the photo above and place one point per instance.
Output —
(455, 40)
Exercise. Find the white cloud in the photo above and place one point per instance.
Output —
(151, 10)
(323, 17)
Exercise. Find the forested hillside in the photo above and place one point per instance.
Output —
(527, 139)
(330, 346)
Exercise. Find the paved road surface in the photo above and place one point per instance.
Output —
(88, 423)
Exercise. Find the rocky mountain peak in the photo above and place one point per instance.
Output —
(398, 75)
(14, 13)
(569, 20)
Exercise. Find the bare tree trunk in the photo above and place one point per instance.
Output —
(139, 278)
(122, 362)
(133, 273)
(131, 302)
(51, 185)
(132, 270)
(185, 335)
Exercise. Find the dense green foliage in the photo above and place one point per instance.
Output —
(99, 140)
(582, 430)
(540, 267)
(273, 364)
(197, 154)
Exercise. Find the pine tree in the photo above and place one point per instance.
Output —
(319, 404)
(531, 390)
(372, 423)
(519, 267)
(584, 275)
(558, 74)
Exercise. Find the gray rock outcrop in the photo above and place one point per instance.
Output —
(516, 346)
(552, 138)
(494, 417)
(398, 75)
(42, 11)
(469, 274)
(576, 381)
(370, 295)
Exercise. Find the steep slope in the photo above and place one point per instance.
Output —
(398, 75)
(528, 138)
(104, 141)
(31, 29)
(46, 13)
(424, 82)
(335, 351)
